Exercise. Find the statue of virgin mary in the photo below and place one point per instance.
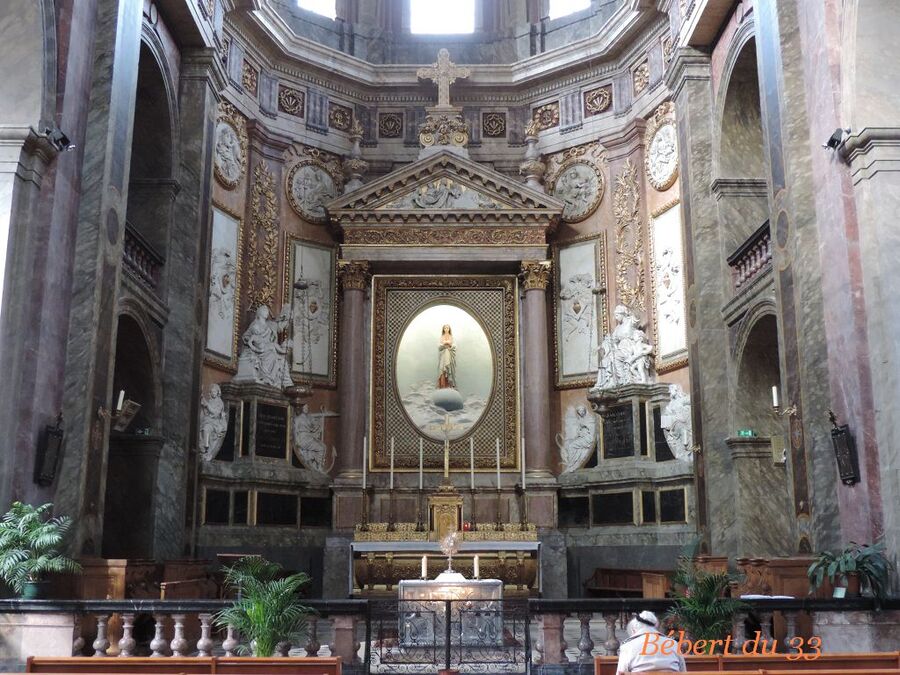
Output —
(446, 360)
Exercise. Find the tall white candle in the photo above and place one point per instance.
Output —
(121, 400)
(392, 462)
(522, 462)
(477, 571)
(498, 464)
(424, 566)
(472, 461)
(775, 396)
(365, 460)
(421, 453)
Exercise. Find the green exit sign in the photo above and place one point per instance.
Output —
(746, 433)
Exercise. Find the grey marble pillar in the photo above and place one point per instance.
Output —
(352, 390)
(536, 365)
(185, 283)
(688, 77)
(97, 270)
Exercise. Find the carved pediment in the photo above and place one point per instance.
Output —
(445, 189)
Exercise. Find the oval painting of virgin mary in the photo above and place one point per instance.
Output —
(444, 371)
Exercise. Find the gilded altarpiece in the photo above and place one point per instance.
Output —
(440, 339)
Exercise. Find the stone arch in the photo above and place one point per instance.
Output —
(137, 367)
(740, 143)
(758, 368)
(154, 147)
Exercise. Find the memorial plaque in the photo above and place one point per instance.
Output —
(672, 506)
(618, 432)
(613, 508)
(271, 431)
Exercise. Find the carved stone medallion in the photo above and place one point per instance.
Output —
(580, 185)
(309, 187)
(597, 101)
(661, 148)
(230, 153)
(641, 77)
(546, 116)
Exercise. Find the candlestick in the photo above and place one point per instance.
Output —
(477, 573)
(522, 462)
(121, 400)
(365, 461)
(424, 566)
(472, 461)
(775, 396)
(421, 453)
(498, 465)
(392, 462)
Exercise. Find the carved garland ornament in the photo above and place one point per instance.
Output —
(661, 148)
(579, 184)
(444, 130)
(309, 185)
(641, 78)
(597, 101)
(230, 152)
(263, 218)
(291, 101)
(250, 78)
(630, 272)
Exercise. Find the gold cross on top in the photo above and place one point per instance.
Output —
(443, 73)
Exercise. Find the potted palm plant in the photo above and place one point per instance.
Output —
(701, 607)
(862, 565)
(267, 610)
(29, 548)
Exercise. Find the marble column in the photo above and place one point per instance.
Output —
(536, 366)
(688, 77)
(186, 272)
(352, 390)
(97, 268)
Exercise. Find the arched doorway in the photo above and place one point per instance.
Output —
(134, 451)
(758, 372)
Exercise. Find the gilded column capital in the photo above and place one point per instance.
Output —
(354, 274)
(535, 274)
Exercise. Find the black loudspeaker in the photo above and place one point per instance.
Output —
(48, 452)
(845, 451)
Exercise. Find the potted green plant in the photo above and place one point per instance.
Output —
(29, 548)
(865, 562)
(268, 608)
(702, 609)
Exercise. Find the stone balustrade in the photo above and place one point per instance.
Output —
(752, 258)
(141, 259)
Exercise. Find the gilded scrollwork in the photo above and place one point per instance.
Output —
(291, 101)
(230, 152)
(354, 275)
(535, 274)
(444, 130)
(250, 78)
(641, 78)
(493, 124)
(390, 125)
(546, 116)
(263, 220)
(340, 117)
(630, 267)
(597, 100)
(431, 235)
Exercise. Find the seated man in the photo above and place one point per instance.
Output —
(638, 653)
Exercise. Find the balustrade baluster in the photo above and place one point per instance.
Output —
(230, 643)
(738, 633)
(127, 643)
(765, 625)
(283, 648)
(612, 643)
(205, 643)
(159, 644)
(312, 641)
(790, 631)
(78, 638)
(585, 644)
(179, 644)
(101, 643)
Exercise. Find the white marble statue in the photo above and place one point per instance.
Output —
(577, 306)
(263, 359)
(213, 423)
(576, 443)
(676, 423)
(625, 353)
(309, 435)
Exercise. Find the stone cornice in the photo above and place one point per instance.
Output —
(872, 150)
(203, 64)
(687, 64)
(739, 187)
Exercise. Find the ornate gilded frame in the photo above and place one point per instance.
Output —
(291, 244)
(504, 401)
(229, 115)
(665, 363)
(289, 181)
(210, 357)
(601, 306)
(664, 115)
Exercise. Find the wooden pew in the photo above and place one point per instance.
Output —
(205, 665)
(861, 662)
(829, 671)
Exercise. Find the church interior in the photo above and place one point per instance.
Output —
(594, 284)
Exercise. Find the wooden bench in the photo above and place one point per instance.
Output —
(863, 662)
(829, 671)
(198, 665)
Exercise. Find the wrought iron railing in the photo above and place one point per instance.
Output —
(751, 259)
(141, 259)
